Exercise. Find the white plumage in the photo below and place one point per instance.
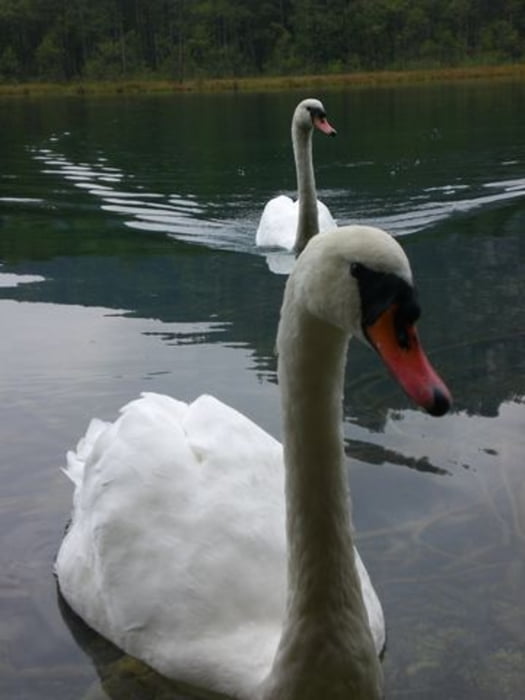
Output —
(178, 534)
(187, 549)
(278, 225)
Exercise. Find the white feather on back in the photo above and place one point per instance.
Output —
(176, 547)
(278, 225)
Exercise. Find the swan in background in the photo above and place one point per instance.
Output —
(192, 548)
(288, 224)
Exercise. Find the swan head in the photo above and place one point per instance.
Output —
(311, 113)
(358, 279)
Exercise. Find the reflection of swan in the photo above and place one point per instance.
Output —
(288, 224)
(176, 550)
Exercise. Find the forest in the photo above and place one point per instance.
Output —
(71, 40)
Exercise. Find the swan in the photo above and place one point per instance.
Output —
(193, 549)
(288, 224)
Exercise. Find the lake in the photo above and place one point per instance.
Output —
(128, 264)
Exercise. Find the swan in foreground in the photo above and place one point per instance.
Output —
(288, 224)
(192, 548)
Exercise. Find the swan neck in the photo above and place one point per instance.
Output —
(326, 641)
(307, 223)
(311, 377)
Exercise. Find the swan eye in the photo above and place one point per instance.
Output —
(355, 269)
(407, 313)
(316, 113)
(380, 291)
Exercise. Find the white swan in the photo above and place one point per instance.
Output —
(177, 547)
(288, 224)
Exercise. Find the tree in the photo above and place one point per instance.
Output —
(180, 39)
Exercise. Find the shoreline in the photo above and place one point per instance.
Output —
(265, 84)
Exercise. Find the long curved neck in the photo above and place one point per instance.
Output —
(307, 223)
(326, 642)
(311, 378)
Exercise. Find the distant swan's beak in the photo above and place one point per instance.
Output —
(402, 353)
(323, 125)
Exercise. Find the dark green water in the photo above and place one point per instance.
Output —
(128, 264)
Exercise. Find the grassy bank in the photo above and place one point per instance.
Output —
(266, 83)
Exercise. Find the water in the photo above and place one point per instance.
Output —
(128, 264)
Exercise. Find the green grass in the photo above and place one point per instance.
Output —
(391, 77)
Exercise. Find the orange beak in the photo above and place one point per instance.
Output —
(323, 125)
(407, 361)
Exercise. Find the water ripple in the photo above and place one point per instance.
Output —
(9, 279)
(184, 217)
(181, 217)
(419, 212)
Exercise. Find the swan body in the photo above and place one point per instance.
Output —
(278, 225)
(201, 546)
(286, 223)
